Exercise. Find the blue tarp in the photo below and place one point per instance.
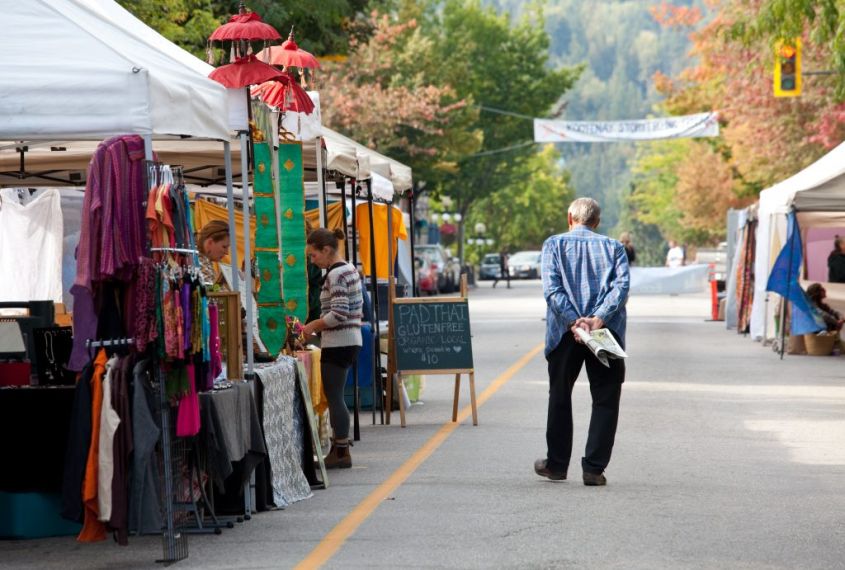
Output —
(783, 280)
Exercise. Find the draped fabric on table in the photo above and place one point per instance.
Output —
(284, 430)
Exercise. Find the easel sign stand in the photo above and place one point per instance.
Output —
(431, 336)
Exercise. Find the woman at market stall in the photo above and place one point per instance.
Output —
(213, 243)
(339, 325)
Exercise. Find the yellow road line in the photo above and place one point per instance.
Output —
(332, 542)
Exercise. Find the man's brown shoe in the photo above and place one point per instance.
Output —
(594, 479)
(541, 468)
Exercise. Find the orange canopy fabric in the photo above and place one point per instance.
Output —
(397, 232)
(205, 211)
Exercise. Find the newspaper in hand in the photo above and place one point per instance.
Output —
(602, 344)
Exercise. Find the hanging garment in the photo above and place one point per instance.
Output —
(112, 236)
(78, 444)
(188, 415)
(380, 232)
(121, 380)
(92, 529)
(30, 245)
(144, 503)
(145, 326)
(109, 420)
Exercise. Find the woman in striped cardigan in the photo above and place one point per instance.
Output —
(339, 326)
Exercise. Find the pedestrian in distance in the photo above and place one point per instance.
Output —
(628, 244)
(836, 261)
(675, 255)
(339, 325)
(585, 283)
(504, 273)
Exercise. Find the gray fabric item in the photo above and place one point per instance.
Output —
(144, 503)
(233, 432)
(284, 431)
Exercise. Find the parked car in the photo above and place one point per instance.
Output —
(426, 276)
(525, 265)
(491, 267)
(448, 270)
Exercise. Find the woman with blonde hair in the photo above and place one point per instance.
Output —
(213, 242)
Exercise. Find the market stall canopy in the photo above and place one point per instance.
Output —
(817, 194)
(64, 163)
(96, 72)
(819, 187)
(398, 174)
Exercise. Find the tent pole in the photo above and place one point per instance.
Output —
(148, 148)
(230, 205)
(794, 225)
(247, 256)
(355, 244)
(321, 182)
(356, 404)
(771, 229)
(374, 284)
(411, 207)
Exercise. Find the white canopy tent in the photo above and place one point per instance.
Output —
(817, 194)
(63, 162)
(89, 75)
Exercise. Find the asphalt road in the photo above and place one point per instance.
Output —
(726, 457)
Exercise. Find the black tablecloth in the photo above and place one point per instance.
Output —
(34, 425)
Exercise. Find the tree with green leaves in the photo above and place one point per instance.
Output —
(522, 216)
(495, 64)
(324, 29)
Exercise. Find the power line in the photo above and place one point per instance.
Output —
(503, 112)
(499, 150)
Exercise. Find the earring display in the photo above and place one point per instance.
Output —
(53, 346)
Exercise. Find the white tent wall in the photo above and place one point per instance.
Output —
(818, 188)
(737, 220)
(88, 79)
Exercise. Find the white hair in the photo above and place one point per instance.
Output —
(585, 211)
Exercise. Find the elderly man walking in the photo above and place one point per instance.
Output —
(585, 283)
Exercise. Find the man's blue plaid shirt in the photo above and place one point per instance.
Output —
(584, 275)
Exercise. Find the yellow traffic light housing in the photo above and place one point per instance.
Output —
(788, 69)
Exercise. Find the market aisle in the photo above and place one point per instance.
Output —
(725, 457)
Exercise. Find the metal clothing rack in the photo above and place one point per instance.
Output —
(174, 250)
(90, 343)
(174, 541)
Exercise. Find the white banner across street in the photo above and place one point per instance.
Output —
(688, 126)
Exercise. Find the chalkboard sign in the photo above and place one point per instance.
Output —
(432, 335)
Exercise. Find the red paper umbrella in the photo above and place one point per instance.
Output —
(289, 55)
(285, 94)
(245, 71)
(245, 26)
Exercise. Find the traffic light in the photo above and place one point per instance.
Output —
(788, 69)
